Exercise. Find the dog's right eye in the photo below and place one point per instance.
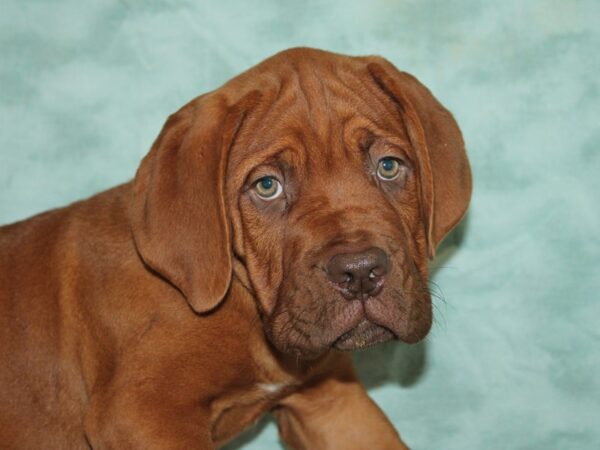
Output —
(388, 168)
(268, 188)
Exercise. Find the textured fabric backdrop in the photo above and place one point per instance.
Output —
(513, 359)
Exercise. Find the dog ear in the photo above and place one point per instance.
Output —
(444, 172)
(178, 213)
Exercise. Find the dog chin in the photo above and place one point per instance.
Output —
(364, 335)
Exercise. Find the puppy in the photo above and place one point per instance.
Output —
(276, 224)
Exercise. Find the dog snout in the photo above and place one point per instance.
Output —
(359, 275)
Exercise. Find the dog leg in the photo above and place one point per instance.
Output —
(335, 413)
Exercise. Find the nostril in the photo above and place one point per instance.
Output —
(378, 271)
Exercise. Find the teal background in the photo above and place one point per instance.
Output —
(513, 360)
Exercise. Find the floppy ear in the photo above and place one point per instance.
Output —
(444, 172)
(178, 215)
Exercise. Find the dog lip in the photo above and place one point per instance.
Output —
(363, 335)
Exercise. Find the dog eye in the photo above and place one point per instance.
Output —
(388, 168)
(268, 188)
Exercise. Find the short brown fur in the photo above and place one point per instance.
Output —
(173, 311)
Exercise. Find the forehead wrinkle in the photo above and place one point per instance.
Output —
(379, 102)
(369, 110)
(348, 107)
(318, 108)
(284, 149)
(303, 114)
(259, 125)
(279, 110)
(310, 86)
(287, 111)
(328, 123)
(308, 104)
(365, 97)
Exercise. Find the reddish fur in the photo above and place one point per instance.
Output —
(98, 345)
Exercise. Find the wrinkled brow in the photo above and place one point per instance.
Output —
(279, 154)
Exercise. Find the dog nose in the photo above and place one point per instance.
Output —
(359, 275)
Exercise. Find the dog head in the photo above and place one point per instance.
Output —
(323, 182)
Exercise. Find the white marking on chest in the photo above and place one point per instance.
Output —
(271, 388)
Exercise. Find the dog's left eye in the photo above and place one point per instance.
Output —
(268, 188)
(388, 168)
